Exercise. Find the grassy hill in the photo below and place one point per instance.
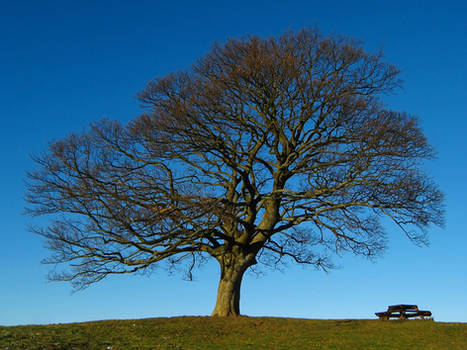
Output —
(237, 333)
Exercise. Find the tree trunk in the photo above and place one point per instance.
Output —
(228, 293)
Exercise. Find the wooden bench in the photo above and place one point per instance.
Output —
(402, 312)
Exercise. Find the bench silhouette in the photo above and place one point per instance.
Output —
(402, 312)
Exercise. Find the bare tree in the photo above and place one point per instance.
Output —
(265, 150)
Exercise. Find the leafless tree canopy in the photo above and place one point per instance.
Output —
(266, 149)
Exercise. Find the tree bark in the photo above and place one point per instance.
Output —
(233, 268)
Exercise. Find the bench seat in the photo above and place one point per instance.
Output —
(402, 314)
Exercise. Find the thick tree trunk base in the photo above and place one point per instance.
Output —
(228, 292)
(228, 300)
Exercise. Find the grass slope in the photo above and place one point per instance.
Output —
(237, 333)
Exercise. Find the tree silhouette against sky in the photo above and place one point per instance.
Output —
(266, 150)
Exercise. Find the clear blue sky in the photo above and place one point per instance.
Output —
(64, 64)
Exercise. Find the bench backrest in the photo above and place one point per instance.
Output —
(402, 307)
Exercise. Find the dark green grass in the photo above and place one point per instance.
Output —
(237, 333)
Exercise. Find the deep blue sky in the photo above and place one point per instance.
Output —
(64, 64)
